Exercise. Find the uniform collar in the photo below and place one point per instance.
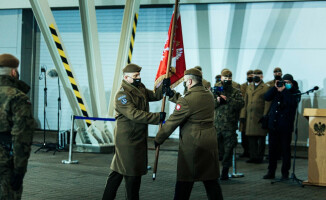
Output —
(6, 80)
(132, 89)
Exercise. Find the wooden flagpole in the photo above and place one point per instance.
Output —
(175, 17)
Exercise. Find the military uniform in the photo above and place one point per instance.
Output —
(16, 132)
(226, 123)
(130, 137)
(242, 127)
(255, 108)
(234, 85)
(198, 150)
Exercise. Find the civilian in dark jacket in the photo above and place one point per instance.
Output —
(280, 123)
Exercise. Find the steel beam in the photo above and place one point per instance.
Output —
(129, 16)
(93, 57)
(48, 27)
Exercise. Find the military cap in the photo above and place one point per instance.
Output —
(258, 71)
(130, 68)
(199, 68)
(218, 76)
(277, 69)
(194, 71)
(8, 60)
(250, 72)
(224, 70)
(288, 77)
(226, 73)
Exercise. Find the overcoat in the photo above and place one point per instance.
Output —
(255, 108)
(198, 150)
(131, 131)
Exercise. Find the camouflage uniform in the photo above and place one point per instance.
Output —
(16, 132)
(226, 122)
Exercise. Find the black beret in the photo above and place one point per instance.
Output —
(288, 77)
(130, 68)
(194, 71)
(258, 71)
(8, 60)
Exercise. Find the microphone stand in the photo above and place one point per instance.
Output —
(57, 148)
(44, 145)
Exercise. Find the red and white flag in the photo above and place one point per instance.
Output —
(178, 63)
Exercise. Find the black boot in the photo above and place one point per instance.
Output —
(225, 174)
(269, 175)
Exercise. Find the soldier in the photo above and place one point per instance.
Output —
(227, 111)
(217, 78)
(277, 76)
(16, 128)
(242, 127)
(198, 153)
(255, 110)
(131, 132)
(234, 84)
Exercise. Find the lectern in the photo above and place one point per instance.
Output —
(317, 146)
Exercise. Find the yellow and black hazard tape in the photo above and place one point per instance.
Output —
(133, 35)
(69, 73)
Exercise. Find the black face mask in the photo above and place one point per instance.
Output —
(137, 82)
(227, 83)
(277, 77)
(250, 79)
(256, 79)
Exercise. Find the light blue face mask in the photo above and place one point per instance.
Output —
(288, 86)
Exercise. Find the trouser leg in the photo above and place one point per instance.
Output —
(261, 143)
(273, 144)
(220, 142)
(183, 190)
(286, 153)
(213, 190)
(252, 147)
(132, 187)
(230, 141)
(244, 143)
(112, 185)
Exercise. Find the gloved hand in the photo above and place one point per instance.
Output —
(16, 181)
(166, 87)
(222, 101)
(162, 116)
(156, 144)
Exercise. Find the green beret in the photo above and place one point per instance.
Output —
(250, 72)
(8, 60)
(199, 68)
(258, 71)
(130, 68)
(277, 69)
(226, 73)
(194, 71)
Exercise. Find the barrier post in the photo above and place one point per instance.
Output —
(70, 161)
(235, 174)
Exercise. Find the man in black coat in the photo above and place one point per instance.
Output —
(280, 123)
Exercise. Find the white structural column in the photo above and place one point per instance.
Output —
(48, 27)
(93, 58)
(131, 9)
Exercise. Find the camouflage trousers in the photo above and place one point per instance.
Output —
(227, 141)
(6, 171)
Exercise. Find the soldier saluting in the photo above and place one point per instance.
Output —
(198, 153)
(16, 128)
(130, 136)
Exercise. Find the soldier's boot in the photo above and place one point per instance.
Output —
(225, 174)
(269, 175)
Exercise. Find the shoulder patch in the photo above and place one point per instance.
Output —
(122, 97)
(124, 101)
(178, 107)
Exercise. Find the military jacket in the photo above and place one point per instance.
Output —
(198, 151)
(243, 89)
(227, 115)
(131, 130)
(16, 117)
(271, 83)
(234, 84)
(255, 108)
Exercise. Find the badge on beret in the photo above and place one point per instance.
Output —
(178, 107)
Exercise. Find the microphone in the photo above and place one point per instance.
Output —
(52, 73)
(313, 89)
(41, 75)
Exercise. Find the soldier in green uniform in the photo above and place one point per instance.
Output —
(234, 84)
(277, 76)
(242, 127)
(198, 151)
(228, 104)
(130, 136)
(254, 112)
(205, 83)
(16, 128)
